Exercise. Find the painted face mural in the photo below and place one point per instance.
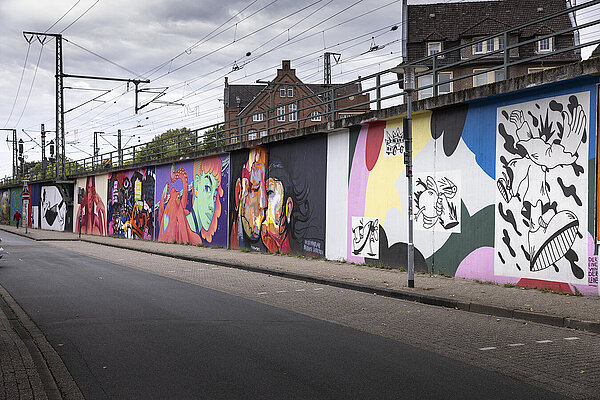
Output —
(91, 214)
(190, 207)
(250, 199)
(131, 204)
(542, 189)
(272, 207)
(206, 198)
(5, 207)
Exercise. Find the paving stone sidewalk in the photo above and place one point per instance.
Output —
(579, 312)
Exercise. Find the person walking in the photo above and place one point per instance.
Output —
(17, 217)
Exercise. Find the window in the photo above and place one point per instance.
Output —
(282, 92)
(489, 45)
(263, 133)
(280, 130)
(281, 114)
(258, 117)
(290, 91)
(252, 134)
(444, 84)
(487, 77)
(315, 116)
(544, 45)
(293, 114)
(433, 47)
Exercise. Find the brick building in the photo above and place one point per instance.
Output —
(286, 103)
(433, 28)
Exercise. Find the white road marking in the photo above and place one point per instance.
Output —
(319, 288)
(215, 268)
(261, 293)
(300, 290)
(171, 271)
(543, 341)
(281, 291)
(572, 338)
(487, 348)
(516, 344)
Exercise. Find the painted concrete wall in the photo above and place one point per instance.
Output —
(336, 199)
(89, 214)
(503, 189)
(130, 203)
(34, 190)
(192, 200)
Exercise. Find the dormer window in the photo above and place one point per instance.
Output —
(489, 45)
(433, 47)
(544, 45)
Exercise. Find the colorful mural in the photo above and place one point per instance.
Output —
(16, 204)
(130, 199)
(191, 201)
(5, 216)
(501, 189)
(90, 210)
(279, 199)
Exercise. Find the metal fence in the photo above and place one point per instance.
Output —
(384, 88)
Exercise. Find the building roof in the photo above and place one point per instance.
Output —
(245, 94)
(468, 19)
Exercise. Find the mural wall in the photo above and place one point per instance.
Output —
(130, 199)
(34, 190)
(279, 202)
(191, 201)
(16, 204)
(89, 210)
(5, 216)
(54, 214)
(504, 189)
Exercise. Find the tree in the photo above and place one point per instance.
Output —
(168, 144)
(213, 137)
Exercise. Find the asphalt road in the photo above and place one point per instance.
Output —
(135, 326)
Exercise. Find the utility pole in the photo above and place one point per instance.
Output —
(119, 148)
(44, 162)
(96, 148)
(60, 112)
(328, 97)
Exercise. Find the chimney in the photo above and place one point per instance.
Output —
(286, 64)
(226, 82)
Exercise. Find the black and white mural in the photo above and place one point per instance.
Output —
(53, 209)
(365, 237)
(393, 141)
(437, 201)
(542, 189)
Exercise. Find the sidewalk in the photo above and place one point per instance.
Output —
(576, 312)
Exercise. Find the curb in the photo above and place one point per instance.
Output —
(477, 308)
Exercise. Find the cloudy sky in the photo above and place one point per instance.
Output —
(186, 47)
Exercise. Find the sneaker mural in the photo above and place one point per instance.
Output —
(542, 186)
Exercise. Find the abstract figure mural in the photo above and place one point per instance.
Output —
(130, 201)
(91, 213)
(437, 204)
(190, 211)
(365, 237)
(542, 158)
(53, 209)
(271, 210)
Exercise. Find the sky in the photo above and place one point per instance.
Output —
(185, 48)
